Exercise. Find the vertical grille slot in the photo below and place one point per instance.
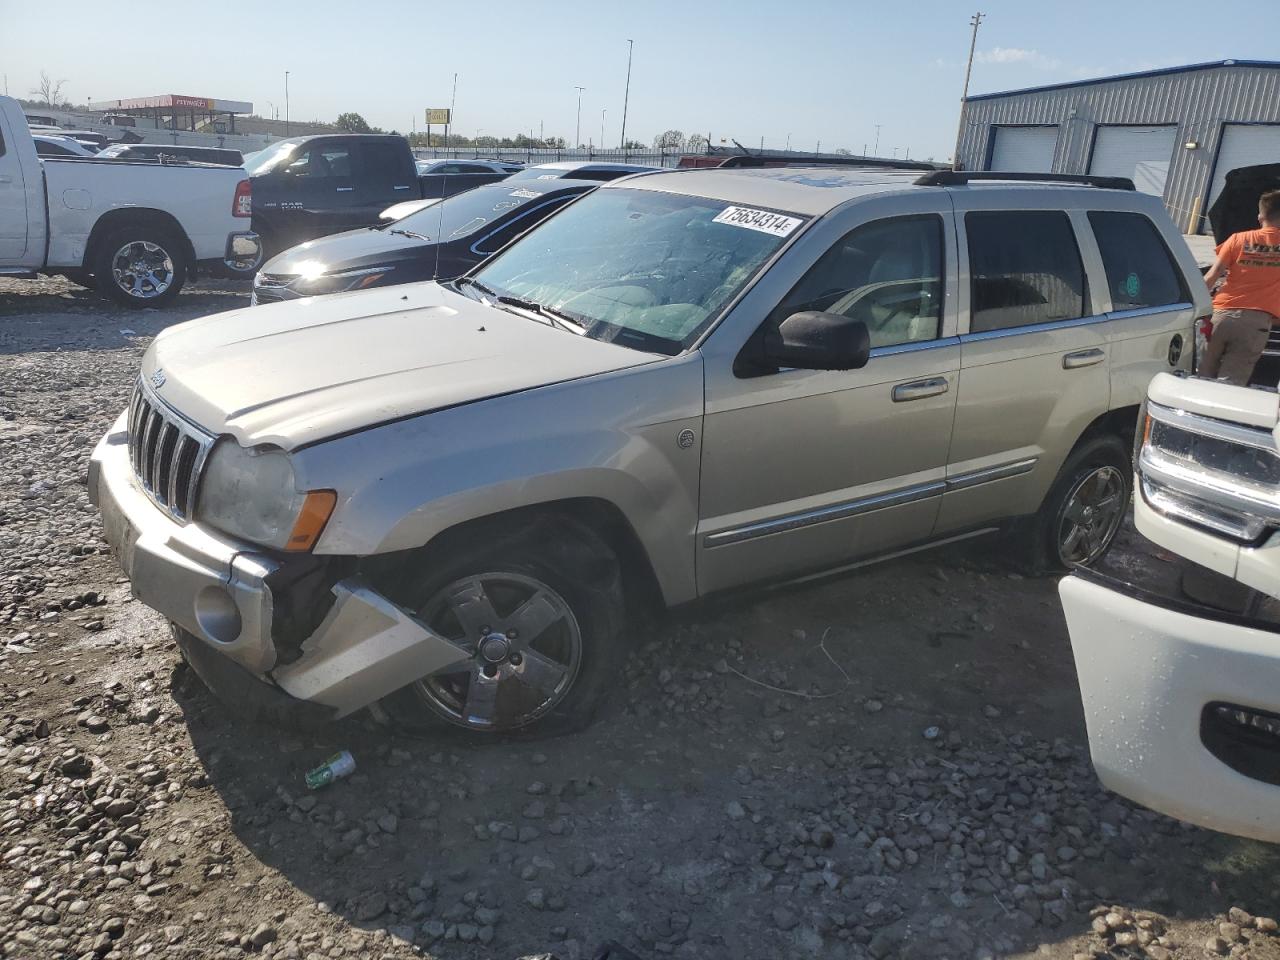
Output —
(167, 453)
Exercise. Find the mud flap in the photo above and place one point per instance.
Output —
(365, 648)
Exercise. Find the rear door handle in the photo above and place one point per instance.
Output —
(344, 189)
(1082, 358)
(919, 389)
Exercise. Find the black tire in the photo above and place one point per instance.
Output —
(1105, 457)
(154, 244)
(576, 566)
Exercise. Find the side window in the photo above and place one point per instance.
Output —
(322, 162)
(448, 168)
(384, 163)
(887, 274)
(1025, 268)
(513, 228)
(1140, 270)
(1, 143)
(472, 168)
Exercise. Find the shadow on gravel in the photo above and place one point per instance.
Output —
(889, 764)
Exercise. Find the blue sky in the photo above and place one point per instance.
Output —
(817, 70)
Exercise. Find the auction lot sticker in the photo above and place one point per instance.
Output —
(775, 223)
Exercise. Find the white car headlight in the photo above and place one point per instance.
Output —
(251, 494)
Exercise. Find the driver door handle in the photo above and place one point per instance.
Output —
(919, 389)
(1082, 358)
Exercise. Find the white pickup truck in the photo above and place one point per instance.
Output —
(1179, 665)
(135, 231)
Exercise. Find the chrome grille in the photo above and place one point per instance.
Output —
(167, 453)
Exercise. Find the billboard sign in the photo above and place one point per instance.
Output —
(437, 115)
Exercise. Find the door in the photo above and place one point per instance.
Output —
(804, 470)
(1033, 361)
(387, 176)
(1023, 149)
(1151, 329)
(317, 192)
(1142, 154)
(1243, 145)
(13, 203)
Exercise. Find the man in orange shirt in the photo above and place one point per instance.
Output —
(1249, 301)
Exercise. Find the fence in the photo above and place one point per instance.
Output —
(656, 158)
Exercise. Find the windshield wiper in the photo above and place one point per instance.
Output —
(558, 319)
(472, 282)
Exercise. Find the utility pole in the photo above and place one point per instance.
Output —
(626, 96)
(875, 151)
(602, 116)
(788, 141)
(975, 21)
(577, 130)
(286, 103)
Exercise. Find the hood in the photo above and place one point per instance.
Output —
(351, 250)
(293, 373)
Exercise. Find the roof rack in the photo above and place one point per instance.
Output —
(956, 178)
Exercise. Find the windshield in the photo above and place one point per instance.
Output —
(464, 213)
(541, 173)
(267, 158)
(645, 269)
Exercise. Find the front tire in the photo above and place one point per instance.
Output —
(140, 266)
(1083, 509)
(541, 613)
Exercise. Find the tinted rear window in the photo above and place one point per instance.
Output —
(1025, 269)
(1140, 270)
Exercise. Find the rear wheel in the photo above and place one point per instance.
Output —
(140, 266)
(539, 616)
(1084, 509)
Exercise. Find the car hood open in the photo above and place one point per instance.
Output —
(294, 373)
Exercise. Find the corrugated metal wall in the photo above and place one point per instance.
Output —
(1199, 102)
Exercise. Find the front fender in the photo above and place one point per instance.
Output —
(615, 437)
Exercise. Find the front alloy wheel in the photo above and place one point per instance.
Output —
(524, 648)
(1091, 514)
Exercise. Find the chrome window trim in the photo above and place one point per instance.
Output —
(852, 508)
(1149, 311)
(1257, 438)
(914, 346)
(1036, 327)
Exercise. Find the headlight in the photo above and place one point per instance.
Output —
(312, 286)
(250, 494)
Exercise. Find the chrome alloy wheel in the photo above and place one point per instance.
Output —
(1092, 513)
(142, 269)
(523, 645)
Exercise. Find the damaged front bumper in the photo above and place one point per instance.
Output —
(227, 595)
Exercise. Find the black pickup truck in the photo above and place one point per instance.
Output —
(308, 187)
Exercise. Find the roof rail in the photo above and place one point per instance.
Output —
(955, 178)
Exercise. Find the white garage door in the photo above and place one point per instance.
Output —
(1142, 154)
(1243, 145)
(1024, 149)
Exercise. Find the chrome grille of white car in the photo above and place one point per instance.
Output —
(168, 453)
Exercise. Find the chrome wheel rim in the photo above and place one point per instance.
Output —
(1090, 517)
(523, 649)
(142, 269)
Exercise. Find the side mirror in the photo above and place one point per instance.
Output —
(813, 340)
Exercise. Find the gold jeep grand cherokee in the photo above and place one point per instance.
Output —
(440, 499)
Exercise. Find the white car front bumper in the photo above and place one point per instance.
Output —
(1152, 675)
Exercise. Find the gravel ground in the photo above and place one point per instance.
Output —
(887, 764)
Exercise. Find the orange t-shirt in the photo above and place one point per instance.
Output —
(1252, 259)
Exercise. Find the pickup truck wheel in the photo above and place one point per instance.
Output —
(541, 616)
(1084, 508)
(140, 266)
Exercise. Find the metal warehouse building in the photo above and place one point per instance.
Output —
(1176, 132)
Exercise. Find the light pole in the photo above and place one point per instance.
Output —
(875, 151)
(602, 116)
(453, 100)
(975, 21)
(626, 96)
(286, 103)
(577, 130)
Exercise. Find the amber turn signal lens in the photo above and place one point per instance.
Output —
(315, 513)
(1146, 432)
